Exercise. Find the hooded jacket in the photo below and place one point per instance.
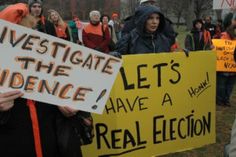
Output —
(130, 25)
(14, 13)
(138, 41)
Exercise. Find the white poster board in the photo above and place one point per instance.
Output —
(55, 71)
(224, 4)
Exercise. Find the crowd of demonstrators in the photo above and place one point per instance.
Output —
(61, 27)
(147, 31)
(94, 35)
(226, 80)
(28, 128)
(199, 38)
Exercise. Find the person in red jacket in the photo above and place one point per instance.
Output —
(94, 36)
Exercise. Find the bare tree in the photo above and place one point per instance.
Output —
(201, 6)
(178, 8)
(189, 14)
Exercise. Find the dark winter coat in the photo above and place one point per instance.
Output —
(168, 29)
(198, 39)
(46, 26)
(138, 41)
(195, 42)
(16, 130)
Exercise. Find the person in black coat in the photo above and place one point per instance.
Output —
(148, 36)
(198, 38)
(129, 24)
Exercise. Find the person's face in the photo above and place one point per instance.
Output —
(54, 16)
(95, 18)
(105, 20)
(208, 20)
(234, 23)
(115, 18)
(36, 9)
(198, 26)
(152, 23)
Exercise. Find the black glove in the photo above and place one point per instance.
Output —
(115, 54)
(98, 49)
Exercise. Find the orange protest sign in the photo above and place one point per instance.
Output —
(225, 59)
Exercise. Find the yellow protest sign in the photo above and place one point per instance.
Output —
(225, 51)
(160, 103)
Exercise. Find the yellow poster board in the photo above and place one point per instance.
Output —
(160, 103)
(225, 52)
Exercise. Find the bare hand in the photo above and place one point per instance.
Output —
(7, 99)
(67, 111)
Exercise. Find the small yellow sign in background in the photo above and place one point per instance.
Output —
(225, 54)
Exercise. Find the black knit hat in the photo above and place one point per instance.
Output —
(31, 2)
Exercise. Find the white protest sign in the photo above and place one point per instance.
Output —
(55, 71)
(224, 4)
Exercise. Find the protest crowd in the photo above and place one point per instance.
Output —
(30, 128)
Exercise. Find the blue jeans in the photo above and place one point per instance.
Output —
(224, 87)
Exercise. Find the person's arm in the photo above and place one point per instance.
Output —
(6, 103)
(68, 38)
(50, 29)
(106, 40)
(188, 44)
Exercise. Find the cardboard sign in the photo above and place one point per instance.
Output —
(53, 70)
(160, 103)
(225, 54)
(224, 4)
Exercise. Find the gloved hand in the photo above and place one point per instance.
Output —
(115, 54)
(98, 49)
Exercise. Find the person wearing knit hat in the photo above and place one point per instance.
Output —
(35, 7)
(43, 25)
(31, 2)
(94, 35)
(199, 38)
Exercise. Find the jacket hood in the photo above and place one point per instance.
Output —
(142, 14)
(14, 13)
